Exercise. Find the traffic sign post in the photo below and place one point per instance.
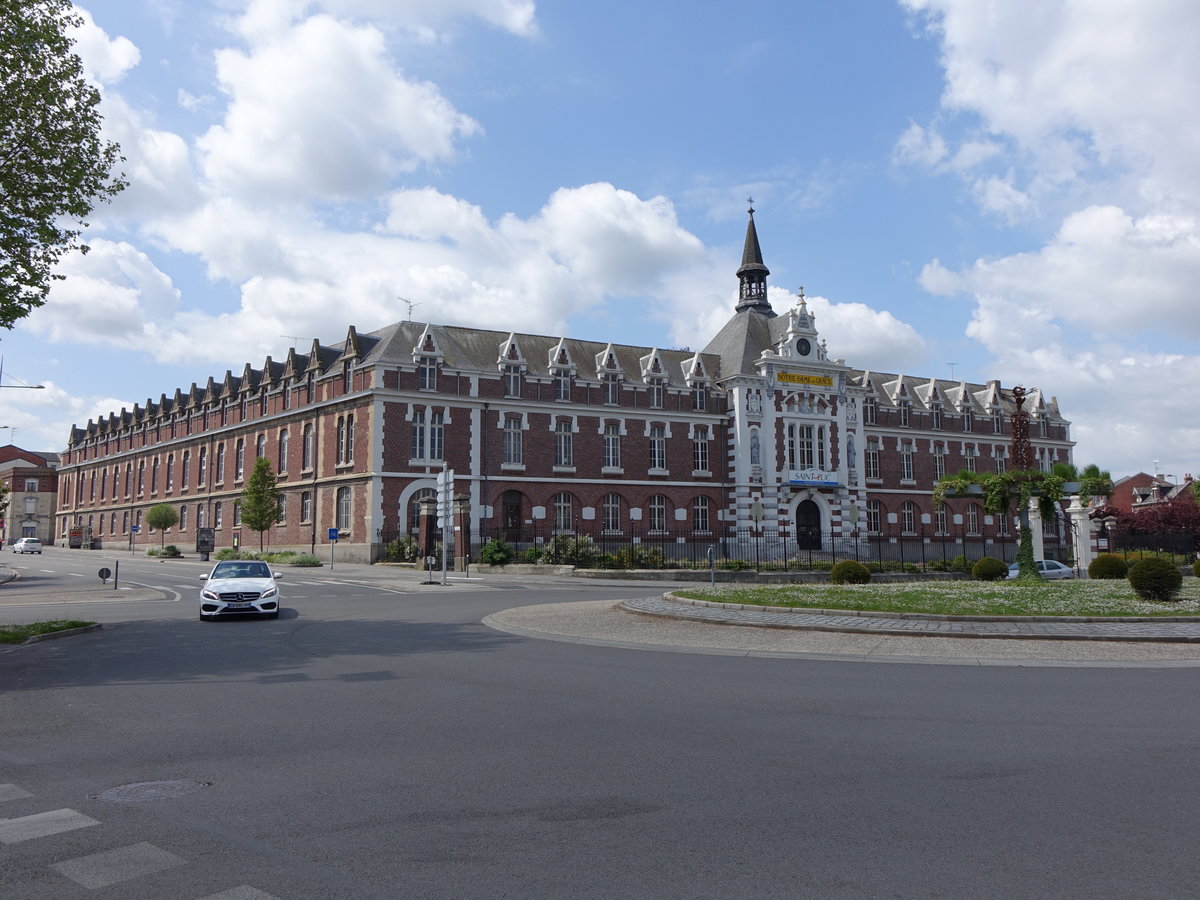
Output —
(333, 539)
(445, 513)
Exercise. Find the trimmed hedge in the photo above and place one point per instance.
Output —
(989, 569)
(849, 572)
(1108, 566)
(1155, 579)
(1196, 568)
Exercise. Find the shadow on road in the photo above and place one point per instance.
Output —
(262, 650)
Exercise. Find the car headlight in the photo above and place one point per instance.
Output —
(269, 592)
(208, 595)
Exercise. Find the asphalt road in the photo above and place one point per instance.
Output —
(378, 741)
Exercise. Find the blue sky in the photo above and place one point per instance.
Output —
(990, 190)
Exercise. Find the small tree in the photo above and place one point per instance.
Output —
(261, 499)
(160, 517)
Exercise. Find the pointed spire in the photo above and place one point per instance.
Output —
(752, 274)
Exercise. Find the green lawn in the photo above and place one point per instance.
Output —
(965, 598)
(15, 634)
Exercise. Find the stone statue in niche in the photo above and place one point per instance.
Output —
(755, 450)
(753, 403)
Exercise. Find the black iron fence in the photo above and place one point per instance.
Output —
(784, 549)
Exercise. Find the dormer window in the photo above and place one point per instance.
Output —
(699, 397)
(936, 417)
(997, 422)
(905, 409)
(347, 377)
(968, 420)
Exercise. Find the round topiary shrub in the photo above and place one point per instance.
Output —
(989, 569)
(1155, 579)
(497, 552)
(849, 572)
(1108, 566)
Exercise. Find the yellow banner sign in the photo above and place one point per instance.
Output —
(813, 380)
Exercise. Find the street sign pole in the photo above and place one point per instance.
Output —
(333, 539)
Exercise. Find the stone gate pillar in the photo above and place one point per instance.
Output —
(1083, 528)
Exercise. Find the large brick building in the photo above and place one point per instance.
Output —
(32, 483)
(762, 431)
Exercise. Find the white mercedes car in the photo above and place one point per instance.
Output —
(240, 586)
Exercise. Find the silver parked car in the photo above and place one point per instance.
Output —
(240, 586)
(1049, 568)
(27, 545)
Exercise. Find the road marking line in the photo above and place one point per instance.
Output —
(12, 792)
(25, 828)
(114, 866)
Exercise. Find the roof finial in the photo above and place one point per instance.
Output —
(750, 203)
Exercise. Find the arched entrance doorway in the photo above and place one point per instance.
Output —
(808, 525)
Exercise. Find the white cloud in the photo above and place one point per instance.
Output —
(919, 146)
(105, 60)
(318, 110)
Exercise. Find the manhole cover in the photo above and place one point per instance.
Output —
(143, 791)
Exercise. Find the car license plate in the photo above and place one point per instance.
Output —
(238, 605)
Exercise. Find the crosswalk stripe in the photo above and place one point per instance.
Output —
(114, 866)
(241, 892)
(25, 828)
(12, 792)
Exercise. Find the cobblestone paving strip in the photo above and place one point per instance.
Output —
(1058, 630)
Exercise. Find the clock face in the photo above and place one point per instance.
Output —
(803, 346)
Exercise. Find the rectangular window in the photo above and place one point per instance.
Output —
(512, 441)
(905, 413)
(699, 397)
(700, 519)
(939, 518)
(562, 384)
(656, 395)
(939, 461)
(564, 512)
(700, 449)
(969, 454)
(936, 417)
(418, 434)
(612, 446)
(658, 447)
(283, 452)
(512, 381)
(343, 509)
(437, 435)
(612, 389)
(306, 451)
(1001, 460)
(906, 461)
(183, 471)
(870, 411)
(306, 506)
(31, 485)
(968, 420)
(427, 374)
(217, 514)
(872, 459)
(237, 513)
(183, 518)
(563, 445)
(239, 460)
(973, 518)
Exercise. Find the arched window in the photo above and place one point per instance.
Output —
(564, 512)
(306, 506)
(260, 447)
(283, 451)
(414, 508)
(610, 513)
(874, 516)
(343, 509)
(658, 513)
(307, 449)
(239, 459)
